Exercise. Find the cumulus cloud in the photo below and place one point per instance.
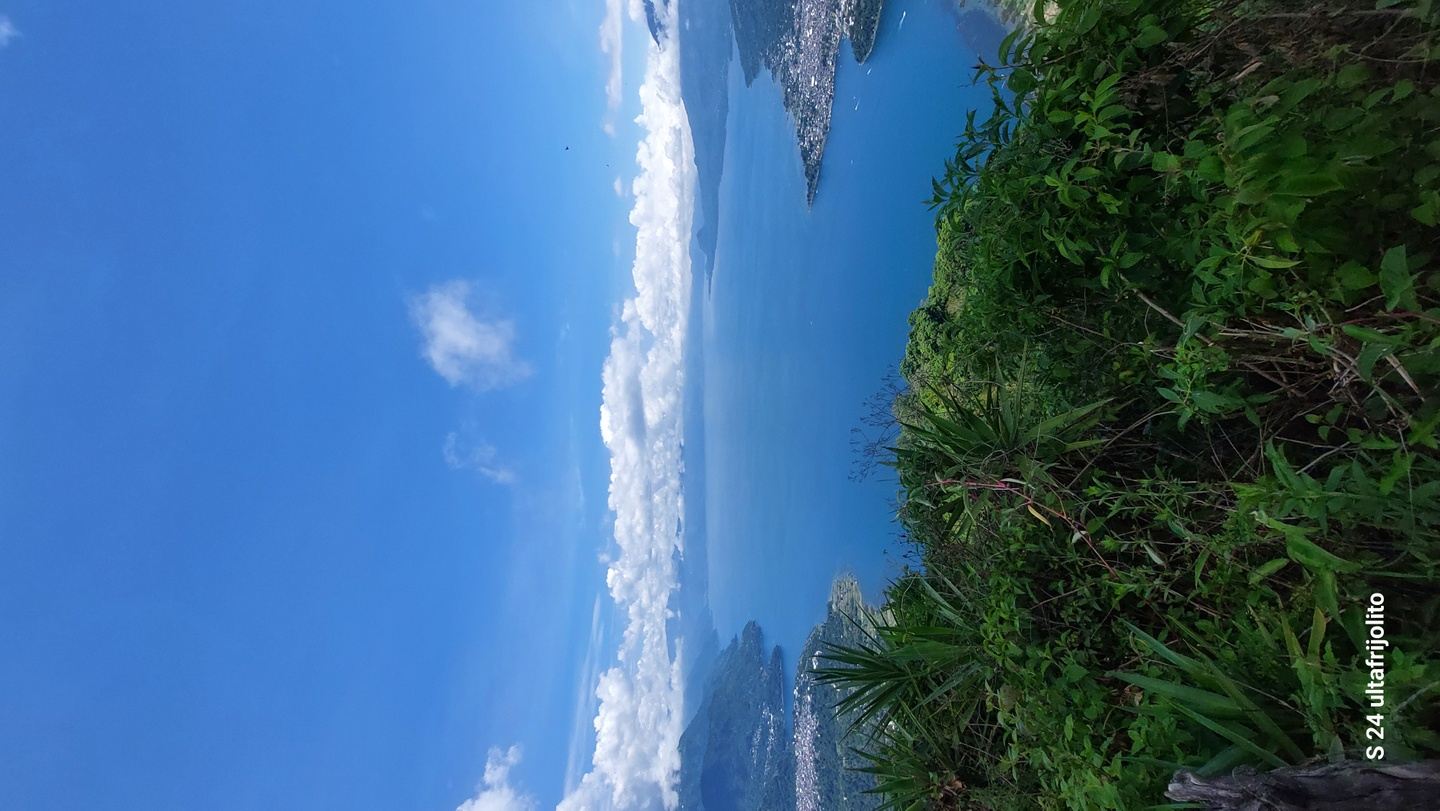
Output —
(462, 347)
(619, 187)
(495, 792)
(640, 713)
(612, 39)
(8, 31)
(464, 451)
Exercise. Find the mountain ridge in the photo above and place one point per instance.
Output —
(754, 746)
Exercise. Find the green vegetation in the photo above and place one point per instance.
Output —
(862, 26)
(1171, 415)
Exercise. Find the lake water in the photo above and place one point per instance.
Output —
(807, 312)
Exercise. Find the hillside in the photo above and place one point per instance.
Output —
(740, 753)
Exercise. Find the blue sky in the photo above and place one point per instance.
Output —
(303, 312)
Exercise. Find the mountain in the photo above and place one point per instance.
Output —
(798, 42)
(982, 24)
(824, 746)
(1010, 13)
(733, 751)
(706, 48)
(863, 27)
(738, 752)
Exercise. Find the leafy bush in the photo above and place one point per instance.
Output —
(1172, 409)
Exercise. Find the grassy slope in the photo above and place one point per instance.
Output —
(1172, 410)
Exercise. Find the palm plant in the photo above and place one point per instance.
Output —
(914, 691)
(960, 455)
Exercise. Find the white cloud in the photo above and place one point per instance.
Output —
(619, 187)
(612, 40)
(472, 453)
(462, 347)
(495, 792)
(8, 31)
(639, 719)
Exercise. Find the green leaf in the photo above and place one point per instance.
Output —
(1252, 135)
(1351, 76)
(1150, 36)
(1292, 146)
(1263, 285)
(1227, 759)
(1274, 262)
(1211, 168)
(1368, 357)
(1326, 593)
(1006, 44)
(1399, 469)
(1338, 118)
(1193, 324)
(1105, 89)
(1251, 193)
(1201, 700)
(1267, 569)
(1426, 213)
(1237, 735)
(1021, 81)
(1311, 185)
(1370, 335)
(1395, 279)
(1296, 93)
(1191, 666)
(1354, 276)
(1317, 637)
(1305, 551)
(1212, 402)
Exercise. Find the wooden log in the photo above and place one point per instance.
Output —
(1350, 785)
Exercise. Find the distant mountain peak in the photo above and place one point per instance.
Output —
(845, 594)
(736, 749)
(741, 753)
